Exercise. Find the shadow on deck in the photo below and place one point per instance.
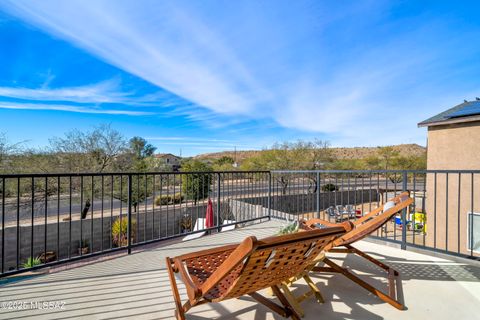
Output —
(136, 286)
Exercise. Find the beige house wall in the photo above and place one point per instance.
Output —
(449, 196)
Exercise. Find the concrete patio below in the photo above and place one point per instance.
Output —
(136, 286)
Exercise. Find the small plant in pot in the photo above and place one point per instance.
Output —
(83, 246)
(119, 232)
(31, 262)
(290, 227)
(48, 256)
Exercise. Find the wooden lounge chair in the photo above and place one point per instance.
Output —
(362, 228)
(232, 271)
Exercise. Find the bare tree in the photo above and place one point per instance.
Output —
(93, 151)
(7, 149)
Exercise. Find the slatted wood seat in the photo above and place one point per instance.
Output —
(362, 228)
(232, 271)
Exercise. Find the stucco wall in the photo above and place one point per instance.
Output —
(452, 147)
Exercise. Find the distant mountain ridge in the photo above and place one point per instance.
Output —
(339, 153)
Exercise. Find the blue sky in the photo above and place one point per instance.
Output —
(205, 76)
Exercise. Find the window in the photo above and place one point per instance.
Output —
(168, 160)
(473, 235)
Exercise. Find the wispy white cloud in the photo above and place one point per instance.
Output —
(186, 138)
(109, 92)
(352, 71)
(70, 108)
(104, 92)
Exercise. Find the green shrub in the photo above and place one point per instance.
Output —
(291, 227)
(329, 187)
(32, 262)
(119, 231)
(169, 199)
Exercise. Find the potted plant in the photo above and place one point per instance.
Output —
(290, 227)
(48, 256)
(119, 232)
(32, 262)
(83, 246)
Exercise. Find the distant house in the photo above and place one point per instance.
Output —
(454, 144)
(169, 160)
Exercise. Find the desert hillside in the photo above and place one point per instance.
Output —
(340, 153)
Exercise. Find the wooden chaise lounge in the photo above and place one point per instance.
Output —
(362, 228)
(232, 271)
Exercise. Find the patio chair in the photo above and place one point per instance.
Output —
(232, 271)
(350, 208)
(340, 208)
(362, 228)
(331, 212)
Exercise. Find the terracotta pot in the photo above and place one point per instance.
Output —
(48, 256)
(83, 250)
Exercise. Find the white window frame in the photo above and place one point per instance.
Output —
(469, 213)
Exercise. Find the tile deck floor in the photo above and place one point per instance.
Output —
(136, 286)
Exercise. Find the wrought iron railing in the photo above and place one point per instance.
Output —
(48, 219)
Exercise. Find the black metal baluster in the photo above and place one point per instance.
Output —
(58, 218)
(33, 217)
(458, 212)
(414, 206)
(18, 224)
(435, 211)
(167, 198)
(91, 214)
(121, 211)
(446, 212)
(137, 211)
(102, 196)
(81, 220)
(69, 217)
(472, 216)
(404, 227)
(129, 213)
(111, 209)
(3, 225)
(145, 215)
(153, 208)
(46, 215)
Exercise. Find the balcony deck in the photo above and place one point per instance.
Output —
(136, 286)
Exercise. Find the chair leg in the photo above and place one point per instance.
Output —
(383, 296)
(292, 300)
(284, 312)
(314, 289)
(179, 313)
(372, 260)
(291, 311)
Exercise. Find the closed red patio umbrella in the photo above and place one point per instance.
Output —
(209, 214)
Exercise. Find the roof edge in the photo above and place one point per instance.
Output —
(449, 121)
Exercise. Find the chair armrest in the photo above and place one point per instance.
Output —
(309, 224)
(193, 291)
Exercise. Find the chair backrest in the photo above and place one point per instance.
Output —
(276, 259)
(369, 222)
(340, 208)
(331, 211)
(374, 220)
(349, 208)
